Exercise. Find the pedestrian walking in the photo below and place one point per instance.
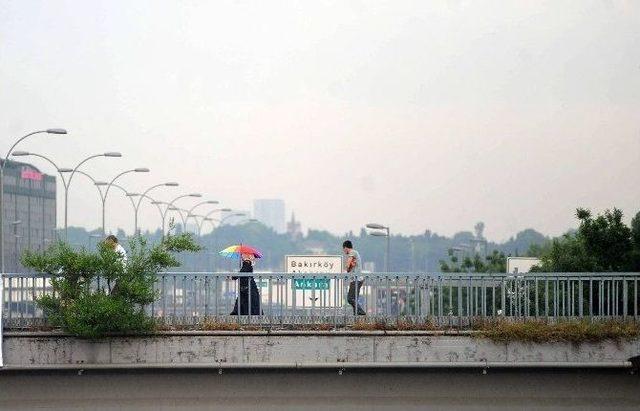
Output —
(248, 300)
(354, 267)
(112, 241)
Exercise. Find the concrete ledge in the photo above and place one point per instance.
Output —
(302, 349)
(336, 366)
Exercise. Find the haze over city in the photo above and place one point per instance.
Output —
(411, 114)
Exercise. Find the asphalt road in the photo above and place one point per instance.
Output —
(321, 390)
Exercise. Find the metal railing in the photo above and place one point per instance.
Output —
(289, 299)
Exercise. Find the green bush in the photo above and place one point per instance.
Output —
(573, 331)
(96, 293)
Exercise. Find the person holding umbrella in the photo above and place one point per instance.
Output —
(248, 300)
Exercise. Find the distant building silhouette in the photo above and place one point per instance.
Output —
(29, 211)
(293, 228)
(270, 212)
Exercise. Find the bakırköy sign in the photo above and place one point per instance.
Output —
(312, 264)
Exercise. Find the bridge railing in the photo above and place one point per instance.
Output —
(188, 298)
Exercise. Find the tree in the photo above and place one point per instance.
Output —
(635, 240)
(603, 243)
(96, 293)
(496, 262)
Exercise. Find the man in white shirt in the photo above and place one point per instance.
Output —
(112, 240)
(354, 264)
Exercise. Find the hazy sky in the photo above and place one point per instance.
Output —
(413, 114)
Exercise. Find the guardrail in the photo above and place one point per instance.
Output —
(289, 299)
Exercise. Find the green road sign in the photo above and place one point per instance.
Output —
(311, 284)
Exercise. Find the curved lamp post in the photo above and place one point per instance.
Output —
(144, 195)
(106, 192)
(73, 171)
(58, 170)
(93, 180)
(2, 166)
(384, 233)
(98, 184)
(190, 211)
(207, 218)
(163, 213)
(119, 187)
(170, 204)
(220, 222)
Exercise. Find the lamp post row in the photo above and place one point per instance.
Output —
(66, 182)
(2, 166)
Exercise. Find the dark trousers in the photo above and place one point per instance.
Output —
(352, 297)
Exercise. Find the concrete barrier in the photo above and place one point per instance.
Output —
(219, 349)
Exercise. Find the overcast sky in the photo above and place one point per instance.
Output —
(413, 114)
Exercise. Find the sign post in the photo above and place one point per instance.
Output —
(307, 291)
(308, 264)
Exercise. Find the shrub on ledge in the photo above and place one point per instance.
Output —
(96, 293)
(497, 330)
(572, 331)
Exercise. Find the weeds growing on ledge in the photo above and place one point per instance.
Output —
(573, 331)
(499, 331)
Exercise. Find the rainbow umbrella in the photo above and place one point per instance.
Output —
(236, 251)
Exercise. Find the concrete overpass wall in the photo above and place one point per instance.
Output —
(300, 350)
(312, 371)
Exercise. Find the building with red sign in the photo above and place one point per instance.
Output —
(29, 211)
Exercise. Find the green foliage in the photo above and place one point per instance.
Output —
(601, 244)
(408, 253)
(496, 262)
(541, 332)
(498, 330)
(96, 293)
(635, 239)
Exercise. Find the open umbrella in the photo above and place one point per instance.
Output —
(236, 251)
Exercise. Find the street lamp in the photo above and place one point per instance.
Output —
(189, 212)
(2, 166)
(170, 204)
(124, 191)
(73, 171)
(144, 195)
(230, 216)
(16, 236)
(220, 222)
(385, 233)
(106, 192)
(163, 213)
(58, 170)
(206, 217)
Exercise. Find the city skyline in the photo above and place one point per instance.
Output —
(414, 116)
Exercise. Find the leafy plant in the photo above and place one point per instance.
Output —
(541, 332)
(601, 243)
(96, 293)
(496, 262)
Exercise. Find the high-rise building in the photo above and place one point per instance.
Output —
(270, 212)
(29, 211)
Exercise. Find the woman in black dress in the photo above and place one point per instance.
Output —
(247, 292)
